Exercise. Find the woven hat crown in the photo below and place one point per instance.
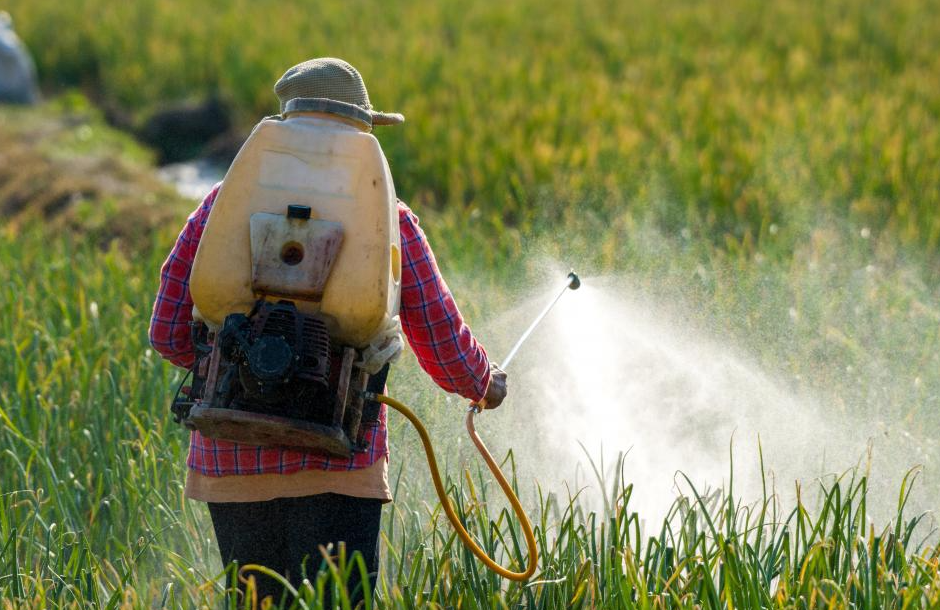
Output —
(326, 79)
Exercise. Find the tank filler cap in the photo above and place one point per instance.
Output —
(298, 211)
(574, 282)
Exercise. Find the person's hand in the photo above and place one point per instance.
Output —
(496, 391)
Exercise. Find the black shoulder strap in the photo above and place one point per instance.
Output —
(376, 383)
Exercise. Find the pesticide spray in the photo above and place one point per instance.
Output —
(617, 371)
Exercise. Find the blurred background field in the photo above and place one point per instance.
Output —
(766, 175)
(721, 117)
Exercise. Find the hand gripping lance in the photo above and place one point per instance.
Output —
(572, 283)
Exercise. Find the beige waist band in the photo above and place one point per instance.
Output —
(368, 482)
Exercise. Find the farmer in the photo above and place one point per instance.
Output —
(276, 507)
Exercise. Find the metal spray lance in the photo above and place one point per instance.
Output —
(573, 283)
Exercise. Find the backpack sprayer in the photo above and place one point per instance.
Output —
(296, 287)
(573, 283)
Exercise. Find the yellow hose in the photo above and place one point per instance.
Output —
(445, 501)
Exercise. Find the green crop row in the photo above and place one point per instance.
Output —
(92, 513)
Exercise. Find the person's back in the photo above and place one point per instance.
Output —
(275, 506)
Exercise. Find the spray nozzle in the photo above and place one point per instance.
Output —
(574, 282)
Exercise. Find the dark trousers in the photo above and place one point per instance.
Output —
(280, 534)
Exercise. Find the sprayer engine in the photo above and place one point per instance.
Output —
(272, 378)
(278, 360)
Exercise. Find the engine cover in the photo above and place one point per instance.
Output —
(275, 360)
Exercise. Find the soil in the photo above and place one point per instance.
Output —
(54, 171)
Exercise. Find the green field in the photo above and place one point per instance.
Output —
(767, 174)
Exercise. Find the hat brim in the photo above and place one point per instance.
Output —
(386, 118)
(348, 111)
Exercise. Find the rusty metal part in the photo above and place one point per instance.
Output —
(352, 419)
(342, 386)
(270, 430)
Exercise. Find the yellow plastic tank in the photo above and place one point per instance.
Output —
(341, 174)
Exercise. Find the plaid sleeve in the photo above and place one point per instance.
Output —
(173, 307)
(442, 342)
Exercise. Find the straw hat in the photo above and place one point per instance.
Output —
(330, 85)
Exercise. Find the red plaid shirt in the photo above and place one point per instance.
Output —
(442, 342)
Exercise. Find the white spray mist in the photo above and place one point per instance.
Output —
(618, 373)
